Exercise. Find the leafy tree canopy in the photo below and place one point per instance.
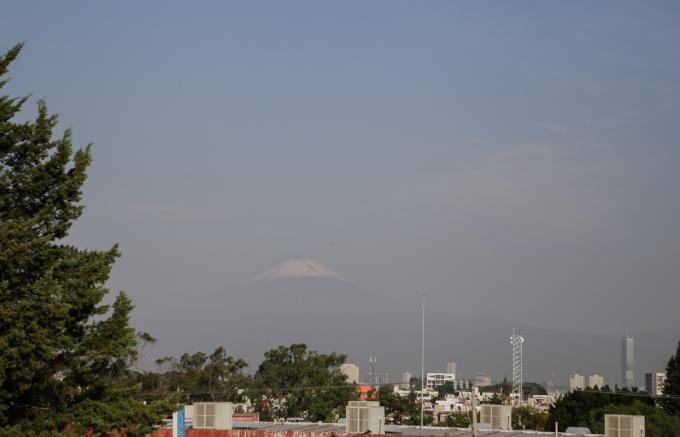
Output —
(445, 389)
(525, 417)
(293, 381)
(399, 410)
(505, 388)
(198, 377)
(458, 419)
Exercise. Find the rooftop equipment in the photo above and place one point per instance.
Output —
(365, 417)
(620, 425)
(499, 416)
(213, 415)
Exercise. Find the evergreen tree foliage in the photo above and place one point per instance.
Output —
(587, 408)
(671, 387)
(293, 381)
(64, 356)
(584, 407)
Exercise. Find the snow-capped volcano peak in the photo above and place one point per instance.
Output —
(296, 268)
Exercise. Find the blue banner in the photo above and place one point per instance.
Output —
(178, 423)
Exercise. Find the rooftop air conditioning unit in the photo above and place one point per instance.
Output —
(189, 415)
(213, 415)
(619, 425)
(499, 416)
(365, 417)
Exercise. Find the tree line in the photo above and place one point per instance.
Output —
(291, 381)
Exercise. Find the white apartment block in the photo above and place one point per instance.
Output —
(351, 371)
(434, 380)
(576, 382)
(595, 381)
(654, 383)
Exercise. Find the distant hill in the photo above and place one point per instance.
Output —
(304, 301)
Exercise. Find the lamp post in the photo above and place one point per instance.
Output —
(422, 365)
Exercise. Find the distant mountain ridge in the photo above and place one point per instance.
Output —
(303, 301)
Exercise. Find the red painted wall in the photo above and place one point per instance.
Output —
(192, 432)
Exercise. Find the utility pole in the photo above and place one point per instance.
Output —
(422, 366)
(474, 412)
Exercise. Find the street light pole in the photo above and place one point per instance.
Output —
(422, 366)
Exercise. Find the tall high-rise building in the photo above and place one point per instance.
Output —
(654, 383)
(406, 379)
(383, 377)
(595, 381)
(549, 386)
(576, 382)
(627, 361)
(451, 367)
(351, 371)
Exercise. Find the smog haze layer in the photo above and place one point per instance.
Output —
(514, 160)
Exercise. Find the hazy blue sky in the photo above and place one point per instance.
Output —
(516, 158)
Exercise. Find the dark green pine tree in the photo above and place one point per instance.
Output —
(671, 387)
(62, 352)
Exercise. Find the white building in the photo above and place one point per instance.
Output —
(406, 379)
(576, 382)
(595, 381)
(627, 361)
(351, 371)
(434, 380)
(654, 383)
(541, 402)
(461, 401)
(451, 367)
(481, 380)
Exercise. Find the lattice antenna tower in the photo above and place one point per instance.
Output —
(517, 341)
